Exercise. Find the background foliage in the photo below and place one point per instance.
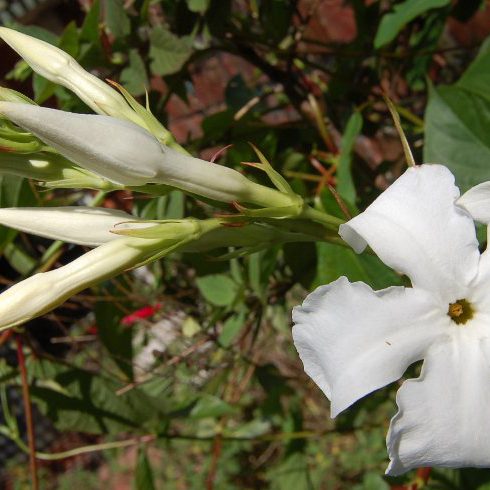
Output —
(188, 365)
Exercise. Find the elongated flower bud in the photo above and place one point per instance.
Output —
(73, 224)
(127, 154)
(45, 291)
(59, 67)
(53, 170)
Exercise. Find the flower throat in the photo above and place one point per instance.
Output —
(460, 311)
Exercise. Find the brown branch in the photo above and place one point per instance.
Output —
(28, 413)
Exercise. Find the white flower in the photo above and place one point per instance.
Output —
(127, 154)
(354, 340)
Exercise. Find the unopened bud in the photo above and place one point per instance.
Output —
(127, 154)
(59, 67)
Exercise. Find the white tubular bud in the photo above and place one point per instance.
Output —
(45, 291)
(127, 154)
(59, 67)
(72, 224)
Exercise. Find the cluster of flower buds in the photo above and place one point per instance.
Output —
(123, 146)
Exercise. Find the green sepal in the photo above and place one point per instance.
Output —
(164, 229)
(150, 121)
(241, 252)
(276, 178)
(281, 212)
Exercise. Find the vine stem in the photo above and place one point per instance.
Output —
(31, 440)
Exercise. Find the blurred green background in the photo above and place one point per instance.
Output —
(186, 369)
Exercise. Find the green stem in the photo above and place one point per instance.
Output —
(328, 220)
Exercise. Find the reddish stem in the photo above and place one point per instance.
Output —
(28, 413)
(423, 475)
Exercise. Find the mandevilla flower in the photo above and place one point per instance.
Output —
(354, 340)
(128, 154)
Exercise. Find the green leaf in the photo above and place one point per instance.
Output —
(88, 402)
(143, 478)
(90, 26)
(116, 337)
(198, 6)
(37, 32)
(335, 261)
(210, 406)
(218, 289)
(117, 19)
(14, 191)
(168, 52)
(345, 184)
(457, 134)
(476, 79)
(292, 472)
(231, 329)
(403, 13)
(134, 77)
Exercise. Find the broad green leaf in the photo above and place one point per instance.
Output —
(335, 261)
(457, 124)
(167, 51)
(134, 77)
(345, 184)
(143, 477)
(218, 289)
(457, 134)
(231, 329)
(210, 406)
(88, 402)
(476, 78)
(117, 19)
(403, 13)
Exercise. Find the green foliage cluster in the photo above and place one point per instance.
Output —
(220, 391)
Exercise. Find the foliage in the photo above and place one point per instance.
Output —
(208, 373)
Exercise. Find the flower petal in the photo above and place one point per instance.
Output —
(477, 202)
(353, 340)
(443, 415)
(72, 224)
(415, 228)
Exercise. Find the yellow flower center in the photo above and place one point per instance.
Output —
(460, 311)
